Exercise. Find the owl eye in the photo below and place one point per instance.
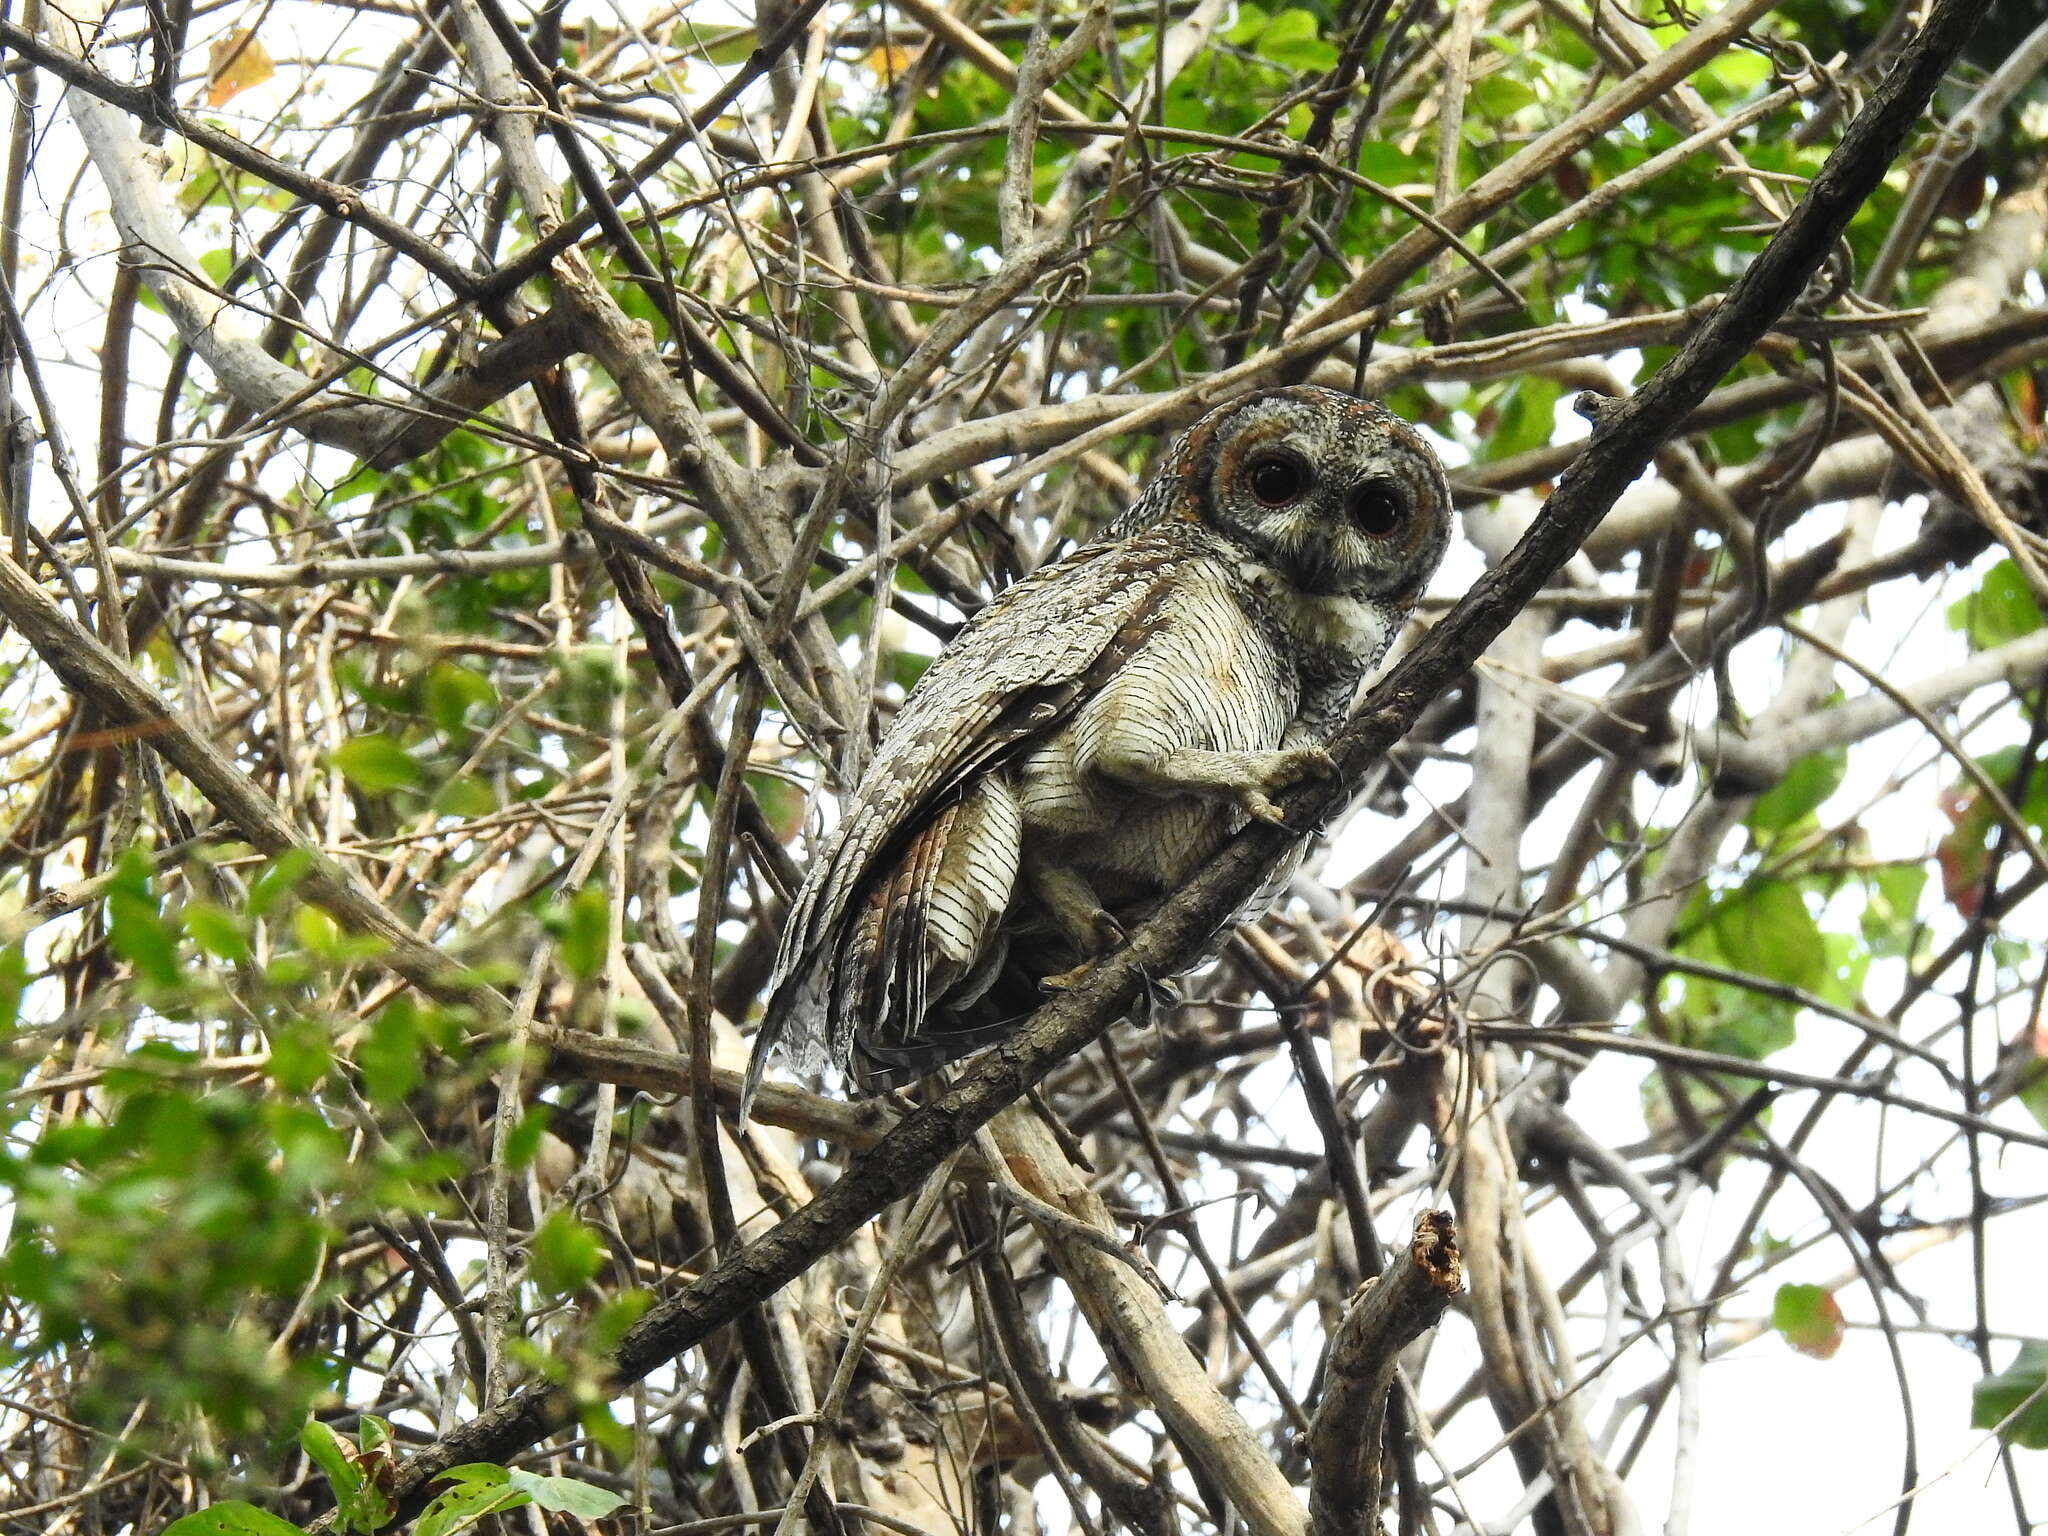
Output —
(1277, 478)
(1377, 507)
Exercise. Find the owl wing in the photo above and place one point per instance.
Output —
(1015, 671)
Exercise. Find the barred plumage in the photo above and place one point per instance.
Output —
(1095, 733)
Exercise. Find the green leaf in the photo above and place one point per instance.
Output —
(324, 1446)
(906, 667)
(376, 764)
(2019, 1393)
(481, 1488)
(1293, 41)
(217, 932)
(1765, 929)
(389, 1056)
(364, 481)
(564, 1254)
(465, 1506)
(467, 797)
(1807, 783)
(1848, 966)
(1251, 21)
(585, 932)
(1891, 909)
(1524, 416)
(567, 1495)
(524, 1142)
(282, 874)
(2033, 1091)
(609, 1323)
(1384, 163)
(231, 1518)
(1810, 1319)
(724, 46)
(1500, 95)
(477, 1474)
(135, 922)
(1744, 1023)
(451, 692)
(1739, 70)
(300, 1055)
(13, 979)
(2001, 609)
(316, 931)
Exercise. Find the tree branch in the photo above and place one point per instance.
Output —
(1626, 437)
(1347, 1441)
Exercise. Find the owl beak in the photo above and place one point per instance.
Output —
(1312, 565)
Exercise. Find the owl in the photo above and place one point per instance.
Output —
(1092, 736)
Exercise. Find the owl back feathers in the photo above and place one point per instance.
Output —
(1012, 674)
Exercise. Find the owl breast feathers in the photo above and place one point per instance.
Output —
(1093, 735)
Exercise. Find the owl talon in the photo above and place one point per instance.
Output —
(1109, 933)
(1259, 808)
(1312, 763)
(1283, 770)
(1297, 765)
(1067, 980)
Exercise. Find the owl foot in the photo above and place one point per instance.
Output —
(1067, 980)
(1152, 996)
(1096, 935)
(1277, 771)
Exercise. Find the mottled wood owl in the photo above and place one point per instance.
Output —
(1095, 733)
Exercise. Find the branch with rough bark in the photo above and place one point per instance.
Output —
(1625, 437)
(845, 327)
(1346, 1443)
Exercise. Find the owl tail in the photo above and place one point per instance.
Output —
(930, 940)
(794, 1025)
(751, 1083)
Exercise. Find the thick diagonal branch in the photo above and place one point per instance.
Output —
(1622, 445)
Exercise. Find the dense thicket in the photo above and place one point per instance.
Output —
(477, 480)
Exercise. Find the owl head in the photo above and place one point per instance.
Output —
(1336, 493)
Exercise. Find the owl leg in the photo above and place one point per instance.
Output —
(1070, 901)
(1247, 780)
